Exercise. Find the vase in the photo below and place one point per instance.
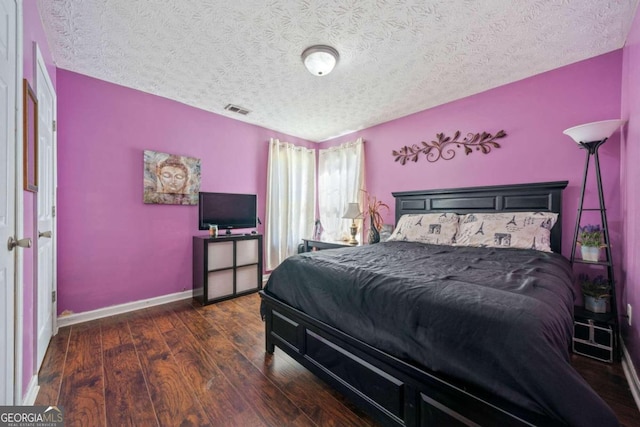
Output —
(374, 234)
(595, 305)
(590, 253)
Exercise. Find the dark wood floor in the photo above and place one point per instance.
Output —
(182, 364)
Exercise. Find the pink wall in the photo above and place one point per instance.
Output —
(32, 32)
(112, 247)
(630, 182)
(533, 112)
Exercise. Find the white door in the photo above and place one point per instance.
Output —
(46, 281)
(8, 61)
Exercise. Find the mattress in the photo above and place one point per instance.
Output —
(499, 319)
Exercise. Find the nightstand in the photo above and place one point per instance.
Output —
(311, 244)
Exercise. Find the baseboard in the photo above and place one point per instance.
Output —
(100, 313)
(631, 374)
(32, 392)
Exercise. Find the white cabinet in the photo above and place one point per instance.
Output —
(225, 267)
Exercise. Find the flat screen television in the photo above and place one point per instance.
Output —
(227, 210)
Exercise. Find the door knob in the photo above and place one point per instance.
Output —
(23, 243)
(46, 234)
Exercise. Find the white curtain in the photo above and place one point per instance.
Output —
(340, 179)
(291, 183)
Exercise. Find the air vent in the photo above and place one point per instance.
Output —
(236, 109)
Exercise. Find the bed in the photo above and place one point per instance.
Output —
(403, 331)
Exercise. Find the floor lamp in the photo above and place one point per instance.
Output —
(590, 137)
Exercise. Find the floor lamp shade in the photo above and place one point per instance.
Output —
(595, 131)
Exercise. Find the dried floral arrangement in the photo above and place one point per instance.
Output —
(435, 150)
(374, 208)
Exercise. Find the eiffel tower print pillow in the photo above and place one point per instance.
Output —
(435, 229)
(523, 230)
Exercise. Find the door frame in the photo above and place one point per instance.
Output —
(18, 326)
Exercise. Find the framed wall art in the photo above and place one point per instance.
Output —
(170, 179)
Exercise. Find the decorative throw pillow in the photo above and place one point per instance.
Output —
(523, 230)
(436, 228)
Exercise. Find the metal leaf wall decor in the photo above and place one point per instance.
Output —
(442, 148)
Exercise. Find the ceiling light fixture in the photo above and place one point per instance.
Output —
(320, 59)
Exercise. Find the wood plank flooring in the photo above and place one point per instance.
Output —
(183, 364)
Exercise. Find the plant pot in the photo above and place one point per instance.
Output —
(595, 305)
(590, 253)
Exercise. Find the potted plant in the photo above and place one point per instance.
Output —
(374, 208)
(596, 292)
(590, 239)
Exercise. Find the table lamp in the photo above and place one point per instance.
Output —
(352, 213)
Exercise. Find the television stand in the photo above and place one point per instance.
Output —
(226, 266)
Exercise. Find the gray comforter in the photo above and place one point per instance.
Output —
(500, 319)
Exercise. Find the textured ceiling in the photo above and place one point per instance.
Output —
(396, 57)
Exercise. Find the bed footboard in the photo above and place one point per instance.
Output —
(390, 390)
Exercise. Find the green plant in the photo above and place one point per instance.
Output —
(374, 208)
(597, 287)
(591, 235)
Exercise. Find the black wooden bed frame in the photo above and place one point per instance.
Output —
(393, 391)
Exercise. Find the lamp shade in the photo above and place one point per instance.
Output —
(596, 131)
(320, 60)
(352, 212)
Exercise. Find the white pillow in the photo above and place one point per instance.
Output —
(523, 230)
(436, 228)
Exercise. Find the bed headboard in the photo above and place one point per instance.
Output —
(538, 197)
